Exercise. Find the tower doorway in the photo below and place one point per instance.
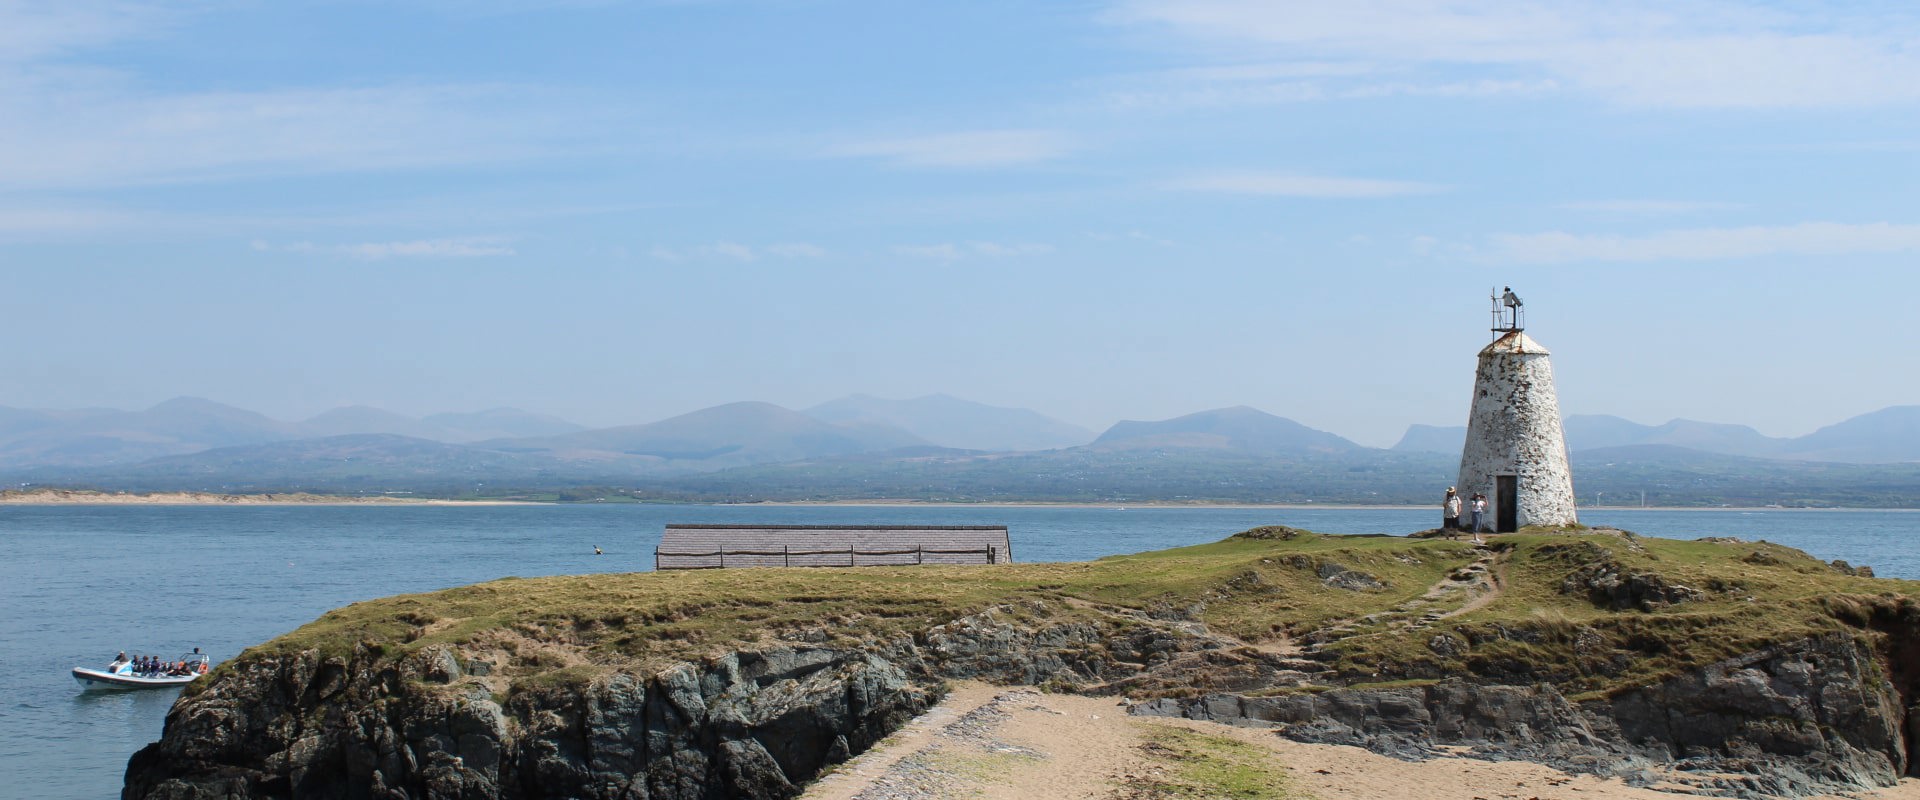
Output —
(1506, 498)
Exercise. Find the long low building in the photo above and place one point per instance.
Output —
(726, 546)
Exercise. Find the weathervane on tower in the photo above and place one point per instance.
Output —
(1508, 313)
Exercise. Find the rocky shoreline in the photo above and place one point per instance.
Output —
(1827, 713)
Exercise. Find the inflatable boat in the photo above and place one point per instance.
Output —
(123, 676)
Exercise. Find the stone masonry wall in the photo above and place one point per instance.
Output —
(1514, 429)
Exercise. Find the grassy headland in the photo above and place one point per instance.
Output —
(1523, 609)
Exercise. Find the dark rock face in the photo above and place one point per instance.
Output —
(1820, 715)
(1609, 585)
(751, 724)
(1806, 718)
(748, 725)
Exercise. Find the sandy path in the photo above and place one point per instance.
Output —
(997, 743)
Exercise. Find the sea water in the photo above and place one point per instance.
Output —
(80, 583)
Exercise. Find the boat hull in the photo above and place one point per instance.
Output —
(97, 679)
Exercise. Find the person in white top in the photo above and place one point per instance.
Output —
(1450, 513)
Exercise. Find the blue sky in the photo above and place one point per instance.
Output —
(616, 212)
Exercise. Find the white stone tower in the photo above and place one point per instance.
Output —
(1516, 453)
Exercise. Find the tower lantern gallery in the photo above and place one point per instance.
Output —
(1516, 452)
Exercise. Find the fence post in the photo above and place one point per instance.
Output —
(849, 555)
(656, 559)
(919, 557)
(723, 556)
(786, 558)
(990, 555)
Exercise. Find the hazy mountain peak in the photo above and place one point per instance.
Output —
(497, 423)
(347, 420)
(950, 421)
(1235, 427)
(728, 435)
(1449, 439)
(200, 405)
(1891, 434)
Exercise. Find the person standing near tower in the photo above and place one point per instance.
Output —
(1450, 512)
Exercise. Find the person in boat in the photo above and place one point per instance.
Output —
(120, 664)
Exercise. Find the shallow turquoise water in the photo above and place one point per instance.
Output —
(79, 583)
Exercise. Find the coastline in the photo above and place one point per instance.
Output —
(63, 497)
(1155, 504)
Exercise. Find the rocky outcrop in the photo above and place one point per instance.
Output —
(750, 724)
(1608, 584)
(1805, 718)
(557, 719)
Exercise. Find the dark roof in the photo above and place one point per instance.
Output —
(701, 546)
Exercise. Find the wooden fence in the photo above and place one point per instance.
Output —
(786, 554)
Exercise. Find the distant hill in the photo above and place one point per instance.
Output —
(364, 419)
(354, 462)
(1238, 428)
(472, 426)
(497, 423)
(1594, 431)
(1890, 435)
(952, 422)
(1432, 439)
(735, 434)
(1885, 436)
(180, 425)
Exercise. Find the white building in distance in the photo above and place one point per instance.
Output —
(1516, 452)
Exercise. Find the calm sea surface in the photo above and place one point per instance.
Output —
(78, 584)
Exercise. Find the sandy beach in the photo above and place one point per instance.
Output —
(1010, 743)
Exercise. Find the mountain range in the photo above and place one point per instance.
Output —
(1888, 436)
(924, 448)
(948, 421)
(184, 425)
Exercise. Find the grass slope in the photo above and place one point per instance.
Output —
(1264, 587)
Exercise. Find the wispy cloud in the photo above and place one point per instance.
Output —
(1285, 184)
(965, 149)
(69, 122)
(796, 250)
(1708, 244)
(954, 251)
(1702, 54)
(64, 219)
(30, 31)
(73, 131)
(737, 252)
(464, 247)
(1131, 236)
(1232, 87)
(1650, 207)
